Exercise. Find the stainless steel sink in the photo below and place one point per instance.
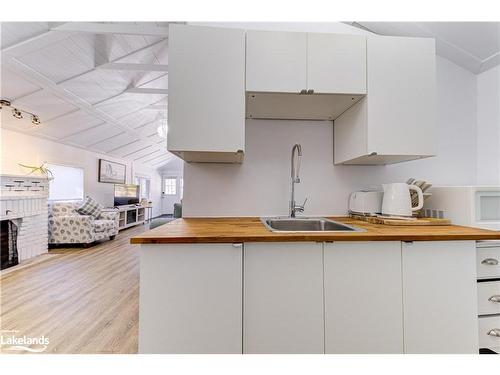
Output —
(306, 224)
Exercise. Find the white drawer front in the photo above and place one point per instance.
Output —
(488, 262)
(488, 327)
(488, 298)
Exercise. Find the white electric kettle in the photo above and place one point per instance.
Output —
(397, 199)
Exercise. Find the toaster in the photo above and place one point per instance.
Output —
(366, 202)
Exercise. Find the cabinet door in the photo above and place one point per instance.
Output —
(276, 61)
(363, 302)
(190, 298)
(336, 63)
(440, 297)
(283, 298)
(401, 96)
(206, 84)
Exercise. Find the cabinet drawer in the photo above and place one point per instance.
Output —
(488, 298)
(488, 262)
(487, 328)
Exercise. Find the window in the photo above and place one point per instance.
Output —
(67, 184)
(170, 186)
(144, 186)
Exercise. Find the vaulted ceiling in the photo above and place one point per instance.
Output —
(96, 86)
(473, 45)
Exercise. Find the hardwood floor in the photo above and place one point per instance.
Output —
(82, 300)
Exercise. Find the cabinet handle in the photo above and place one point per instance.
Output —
(495, 332)
(495, 299)
(490, 262)
(237, 244)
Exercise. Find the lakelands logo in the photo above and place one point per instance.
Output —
(9, 341)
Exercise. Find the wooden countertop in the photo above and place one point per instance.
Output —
(250, 229)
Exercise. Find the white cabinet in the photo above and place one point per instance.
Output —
(283, 298)
(190, 298)
(284, 71)
(276, 61)
(363, 297)
(396, 121)
(440, 297)
(336, 63)
(289, 62)
(206, 93)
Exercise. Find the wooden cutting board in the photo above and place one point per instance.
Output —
(401, 222)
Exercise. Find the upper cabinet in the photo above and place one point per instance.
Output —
(276, 61)
(206, 94)
(396, 120)
(285, 71)
(336, 63)
(380, 91)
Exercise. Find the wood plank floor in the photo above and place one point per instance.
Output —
(82, 300)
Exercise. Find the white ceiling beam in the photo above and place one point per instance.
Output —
(113, 28)
(134, 66)
(148, 155)
(158, 159)
(144, 90)
(136, 151)
(156, 107)
(34, 43)
(159, 163)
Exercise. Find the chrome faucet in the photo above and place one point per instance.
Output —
(295, 179)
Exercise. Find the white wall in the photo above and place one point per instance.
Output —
(488, 127)
(260, 186)
(21, 148)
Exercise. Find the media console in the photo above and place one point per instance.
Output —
(131, 215)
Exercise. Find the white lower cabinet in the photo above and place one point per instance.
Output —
(190, 298)
(363, 297)
(440, 297)
(308, 297)
(283, 298)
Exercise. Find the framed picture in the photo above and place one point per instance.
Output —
(111, 172)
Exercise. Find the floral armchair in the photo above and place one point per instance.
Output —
(66, 225)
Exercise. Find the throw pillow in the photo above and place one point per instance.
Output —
(90, 207)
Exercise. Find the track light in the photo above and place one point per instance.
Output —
(35, 120)
(4, 103)
(17, 113)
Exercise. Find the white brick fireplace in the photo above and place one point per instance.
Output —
(23, 200)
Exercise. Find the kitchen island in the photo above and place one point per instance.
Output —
(229, 285)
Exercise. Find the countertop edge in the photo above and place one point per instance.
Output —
(302, 238)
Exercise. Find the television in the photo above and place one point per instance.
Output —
(126, 194)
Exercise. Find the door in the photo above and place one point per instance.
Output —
(283, 298)
(276, 61)
(336, 63)
(363, 301)
(190, 298)
(440, 297)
